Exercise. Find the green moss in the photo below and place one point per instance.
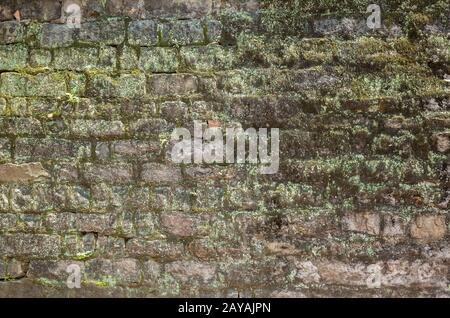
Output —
(45, 282)
(72, 99)
(83, 256)
(414, 24)
(98, 283)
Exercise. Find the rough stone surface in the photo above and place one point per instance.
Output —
(358, 206)
(22, 172)
(429, 227)
(365, 222)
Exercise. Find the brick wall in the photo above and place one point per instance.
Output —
(359, 206)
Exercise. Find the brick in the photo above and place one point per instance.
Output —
(127, 271)
(139, 109)
(173, 84)
(72, 198)
(42, 108)
(3, 106)
(117, 173)
(175, 111)
(108, 32)
(52, 269)
(60, 222)
(97, 128)
(151, 271)
(107, 58)
(171, 199)
(146, 224)
(442, 142)
(7, 10)
(124, 224)
(394, 226)
(97, 223)
(122, 271)
(423, 274)
(111, 246)
(56, 35)
(126, 85)
(65, 172)
(186, 271)
(131, 86)
(20, 126)
(206, 58)
(393, 273)
(4, 198)
(208, 198)
(32, 198)
(183, 32)
(40, 58)
(30, 222)
(342, 273)
(364, 222)
(158, 60)
(179, 224)
(92, 9)
(11, 32)
(13, 57)
(77, 59)
(88, 244)
(345, 26)
(214, 31)
(128, 58)
(179, 9)
(33, 148)
(134, 149)
(22, 172)
(5, 150)
(76, 84)
(41, 10)
(29, 245)
(150, 127)
(16, 269)
(8, 221)
(102, 196)
(18, 107)
(159, 173)
(156, 249)
(45, 85)
(143, 33)
(428, 227)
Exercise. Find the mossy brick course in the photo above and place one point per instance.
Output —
(86, 176)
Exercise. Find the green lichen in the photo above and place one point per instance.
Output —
(84, 256)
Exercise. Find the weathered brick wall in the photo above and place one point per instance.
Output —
(358, 208)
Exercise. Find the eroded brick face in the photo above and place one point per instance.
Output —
(359, 206)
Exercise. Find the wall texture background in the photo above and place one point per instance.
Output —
(359, 207)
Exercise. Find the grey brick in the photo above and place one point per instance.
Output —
(13, 57)
(183, 32)
(56, 35)
(173, 84)
(117, 173)
(11, 32)
(75, 58)
(159, 173)
(30, 245)
(97, 128)
(158, 60)
(108, 32)
(143, 33)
